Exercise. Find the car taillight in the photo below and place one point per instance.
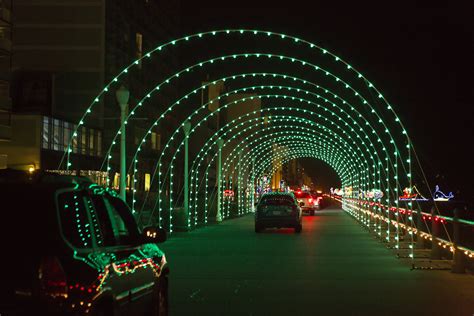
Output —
(310, 200)
(316, 201)
(52, 278)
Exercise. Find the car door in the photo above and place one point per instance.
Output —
(109, 256)
(131, 277)
(140, 261)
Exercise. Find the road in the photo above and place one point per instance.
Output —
(334, 267)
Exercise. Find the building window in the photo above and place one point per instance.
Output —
(56, 134)
(75, 142)
(46, 135)
(147, 181)
(139, 45)
(83, 140)
(91, 142)
(138, 133)
(99, 143)
(116, 181)
(155, 141)
(66, 134)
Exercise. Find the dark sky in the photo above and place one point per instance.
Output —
(420, 56)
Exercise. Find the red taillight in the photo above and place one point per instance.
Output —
(316, 201)
(52, 277)
(310, 200)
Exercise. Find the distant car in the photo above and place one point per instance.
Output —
(278, 209)
(74, 248)
(321, 201)
(308, 202)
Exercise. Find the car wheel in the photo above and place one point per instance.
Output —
(258, 228)
(160, 297)
(298, 228)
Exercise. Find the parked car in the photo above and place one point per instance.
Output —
(278, 209)
(309, 203)
(74, 248)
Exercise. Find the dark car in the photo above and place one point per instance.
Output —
(71, 247)
(278, 209)
(320, 199)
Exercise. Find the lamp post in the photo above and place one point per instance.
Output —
(122, 94)
(186, 129)
(239, 186)
(220, 142)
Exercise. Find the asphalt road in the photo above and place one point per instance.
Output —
(334, 267)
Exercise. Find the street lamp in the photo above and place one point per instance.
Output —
(186, 129)
(122, 94)
(220, 143)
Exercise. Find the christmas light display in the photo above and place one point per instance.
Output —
(412, 194)
(438, 195)
(332, 117)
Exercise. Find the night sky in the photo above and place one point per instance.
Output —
(421, 57)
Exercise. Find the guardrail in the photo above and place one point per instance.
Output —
(408, 232)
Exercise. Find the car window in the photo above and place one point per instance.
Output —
(277, 200)
(123, 223)
(106, 237)
(75, 224)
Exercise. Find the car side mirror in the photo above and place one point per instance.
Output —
(301, 203)
(152, 234)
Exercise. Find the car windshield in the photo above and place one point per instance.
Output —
(277, 200)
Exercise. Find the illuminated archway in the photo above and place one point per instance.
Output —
(320, 107)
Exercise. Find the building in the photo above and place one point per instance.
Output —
(5, 75)
(64, 52)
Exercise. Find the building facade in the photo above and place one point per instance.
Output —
(5, 75)
(64, 52)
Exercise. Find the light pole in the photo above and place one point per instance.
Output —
(220, 142)
(186, 129)
(239, 187)
(122, 94)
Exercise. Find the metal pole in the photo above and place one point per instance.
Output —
(459, 265)
(187, 129)
(435, 230)
(123, 153)
(122, 95)
(253, 185)
(220, 142)
(420, 241)
(239, 187)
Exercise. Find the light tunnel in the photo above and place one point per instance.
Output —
(311, 103)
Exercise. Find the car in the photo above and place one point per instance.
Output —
(71, 247)
(309, 203)
(278, 209)
(321, 201)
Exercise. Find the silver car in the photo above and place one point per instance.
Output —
(307, 202)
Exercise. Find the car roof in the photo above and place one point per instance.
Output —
(277, 194)
(41, 178)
